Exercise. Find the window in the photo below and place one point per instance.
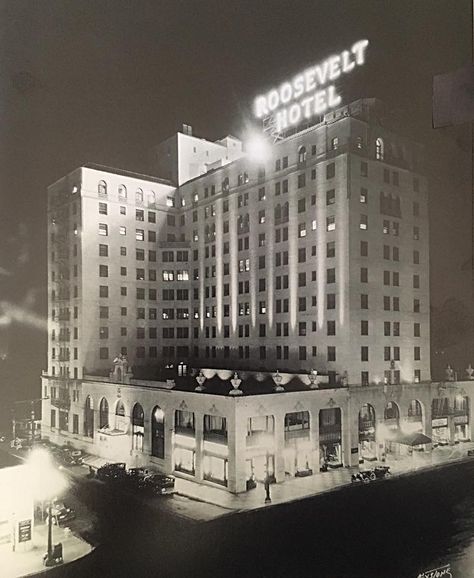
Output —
(123, 230)
(330, 170)
(331, 223)
(331, 327)
(364, 275)
(331, 301)
(122, 192)
(334, 143)
(139, 234)
(139, 215)
(363, 223)
(364, 327)
(302, 155)
(364, 249)
(301, 230)
(139, 196)
(331, 353)
(102, 208)
(363, 196)
(261, 194)
(103, 271)
(416, 233)
(103, 291)
(395, 178)
(386, 277)
(416, 281)
(103, 229)
(331, 275)
(330, 197)
(379, 149)
(364, 301)
(301, 205)
(417, 353)
(331, 249)
(416, 257)
(416, 305)
(102, 188)
(103, 250)
(301, 180)
(364, 169)
(364, 353)
(416, 330)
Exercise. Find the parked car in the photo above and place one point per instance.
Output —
(157, 484)
(366, 476)
(112, 472)
(135, 476)
(71, 457)
(61, 514)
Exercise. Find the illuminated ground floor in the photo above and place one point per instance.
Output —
(213, 437)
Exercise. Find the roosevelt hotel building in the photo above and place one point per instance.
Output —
(316, 259)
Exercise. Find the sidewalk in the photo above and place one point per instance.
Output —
(298, 488)
(20, 563)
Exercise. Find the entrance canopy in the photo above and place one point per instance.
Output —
(412, 439)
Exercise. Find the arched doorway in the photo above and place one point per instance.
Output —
(391, 417)
(103, 413)
(89, 418)
(439, 421)
(330, 437)
(367, 439)
(121, 423)
(414, 418)
(158, 433)
(138, 427)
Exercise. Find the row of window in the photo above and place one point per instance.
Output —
(102, 189)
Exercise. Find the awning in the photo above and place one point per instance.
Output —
(413, 439)
(94, 461)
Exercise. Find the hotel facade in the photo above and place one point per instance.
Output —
(300, 281)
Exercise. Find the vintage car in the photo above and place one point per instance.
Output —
(112, 472)
(157, 484)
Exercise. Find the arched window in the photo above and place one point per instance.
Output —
(138, 427)
(302, 155)
(139, 196)
(122, 192)
(103, 413)
(391, 411)
(379, 149)
(120, 419)
(151, 199)
(158, 433)
(89, 418)
(102, 188)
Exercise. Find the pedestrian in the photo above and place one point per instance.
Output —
(266, 484)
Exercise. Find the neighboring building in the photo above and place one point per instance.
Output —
(315, 260)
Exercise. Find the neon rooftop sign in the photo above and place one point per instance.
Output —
(311, 92)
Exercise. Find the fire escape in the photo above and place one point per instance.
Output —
(62, 336)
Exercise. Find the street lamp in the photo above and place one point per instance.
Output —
(47, 484)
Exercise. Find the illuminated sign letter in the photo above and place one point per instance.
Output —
(295, 100)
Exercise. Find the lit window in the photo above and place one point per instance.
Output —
(379, 149)
(139, 196)
(302, 230)
(313, 225)
(302, 154)
(331, 223)
(102, 188)
(103, 229)
(334, 143)
(123, 230)
(363, 222)
(363, 196)
(139, 234)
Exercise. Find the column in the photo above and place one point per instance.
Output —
(350, 437)
(199, 434)
(237, 450)
(279, 445)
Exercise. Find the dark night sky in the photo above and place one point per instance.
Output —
(102, 81)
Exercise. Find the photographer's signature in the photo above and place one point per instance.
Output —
(441, 572)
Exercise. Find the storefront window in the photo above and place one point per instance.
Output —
(158, 433)
(367, 441)
(138, 427)
(104, 413)
(215, 428)
(88, 418)
(184, 422)
(330, 437)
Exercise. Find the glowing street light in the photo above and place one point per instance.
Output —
(47, 483)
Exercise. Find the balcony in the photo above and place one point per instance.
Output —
(63, 402)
